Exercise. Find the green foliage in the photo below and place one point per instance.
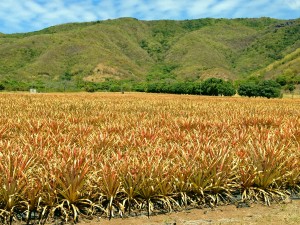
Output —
(269, 89)
(257, 23)
(265, 88)
(288, 81)
(286, 70)
(249, 90)
(192, 25)
(271, 45)
(211, 86)
(67, 76)
(174, 87)
(2, 87)
(14, 85)
(139, 52)
(91, 87)
(215, 87)
(290, 87)
(161, 72)
(227, 89)
(282, 80)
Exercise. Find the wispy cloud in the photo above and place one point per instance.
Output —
(293, 4)
(29, 15)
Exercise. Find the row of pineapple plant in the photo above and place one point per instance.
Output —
(73, 156)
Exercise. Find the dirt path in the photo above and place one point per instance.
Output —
(276, 214)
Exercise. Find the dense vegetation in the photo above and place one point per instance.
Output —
(139, 54)
(210, 86)
(265, 88)
(108, 155)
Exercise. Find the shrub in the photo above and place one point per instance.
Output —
(269, 89)
(265, 88)
(215, 87)
(2, 87)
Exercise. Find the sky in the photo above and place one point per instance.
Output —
(17, 16)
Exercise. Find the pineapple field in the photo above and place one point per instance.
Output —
(73, 156)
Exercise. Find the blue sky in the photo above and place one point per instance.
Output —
(31, 15)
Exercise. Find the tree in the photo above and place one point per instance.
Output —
(227, 89)
(216, 86)
(2, 87)
(265, 88)
(90, 87)
(211, 86)
(269, 89)
(290, 87)
(248, 89)
(282, 80)
(66, 77)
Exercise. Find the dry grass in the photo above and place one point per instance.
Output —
(71, 156)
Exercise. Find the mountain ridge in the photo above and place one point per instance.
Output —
(131, 49)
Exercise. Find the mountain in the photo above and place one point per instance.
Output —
(135, 50)
(287, 66)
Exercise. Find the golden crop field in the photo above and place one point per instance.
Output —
(73, 156)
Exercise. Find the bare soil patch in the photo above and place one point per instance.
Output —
(276, 214)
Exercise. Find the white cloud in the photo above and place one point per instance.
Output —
(253, 9)
(227, 6)
(293, 4)
(29, 15)
(200, 8)
(160, 9)
(266, 8)
(105, 9)
(34, 7)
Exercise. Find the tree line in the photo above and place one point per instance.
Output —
(210, 87)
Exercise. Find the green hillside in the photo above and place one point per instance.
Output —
(288, 67)
(129, 49)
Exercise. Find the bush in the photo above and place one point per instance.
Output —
(211, 86)
(290, 87)
(2, 87)
(90, 88)
(14, 85)
(282, 80)
(269, 89)
(265, 88)
(227, 89)
(249, 90)
(215, 87)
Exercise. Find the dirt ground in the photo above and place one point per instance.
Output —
(276, 214)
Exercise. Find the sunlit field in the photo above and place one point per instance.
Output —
(73, 156)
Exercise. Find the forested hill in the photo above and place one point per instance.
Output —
(131, 50)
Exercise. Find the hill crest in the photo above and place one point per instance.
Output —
(131, 49)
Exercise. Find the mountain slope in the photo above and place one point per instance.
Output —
(270, 45)
(130, 49)
(288, 66)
